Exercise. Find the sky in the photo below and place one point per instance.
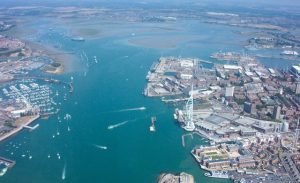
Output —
(230, 3)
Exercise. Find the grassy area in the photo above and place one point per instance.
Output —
(215, 157)
(211, 153)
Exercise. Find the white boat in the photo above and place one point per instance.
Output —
(288, 52)
(95, 59)
(175, 116)
(152, 129)
(58, 155)
(152, 126)
(63, 176)
(100, 147)
(3, 171)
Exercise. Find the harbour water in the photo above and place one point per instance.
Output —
(108, 93)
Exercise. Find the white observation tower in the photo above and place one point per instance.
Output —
(189, 124)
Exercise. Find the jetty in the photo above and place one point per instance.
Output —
(31, 128)
(7, 162)
(183, 138)
(205, 61)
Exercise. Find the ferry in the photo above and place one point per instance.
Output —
(287, 52)
(217, 174)
(152, 126)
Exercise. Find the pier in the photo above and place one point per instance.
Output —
(174, 100)
(183, 138)
(7, 162)
(31, 128)
(205, 61)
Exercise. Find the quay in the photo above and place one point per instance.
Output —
(7, 162)
(174, 100)
(284, 58)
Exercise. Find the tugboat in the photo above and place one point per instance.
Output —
(152, 126)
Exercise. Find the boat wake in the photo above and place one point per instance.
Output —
(132, 109)
(63, 176)
(110, 127)
(100, 147)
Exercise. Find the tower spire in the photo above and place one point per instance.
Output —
(189, 125)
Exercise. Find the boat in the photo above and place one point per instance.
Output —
(78, 39)
(288, 52)
(175, 116)
(95, 59)
(63, 176)
(217, 174)
(100, 147)
(152, 126)
(58, 155)
(3, 171)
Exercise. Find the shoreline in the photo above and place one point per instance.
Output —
(16, 130)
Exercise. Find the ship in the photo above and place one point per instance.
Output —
(217, 174)
(152, 126)
(291, 53)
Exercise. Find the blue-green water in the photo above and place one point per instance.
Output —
(133, 153)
